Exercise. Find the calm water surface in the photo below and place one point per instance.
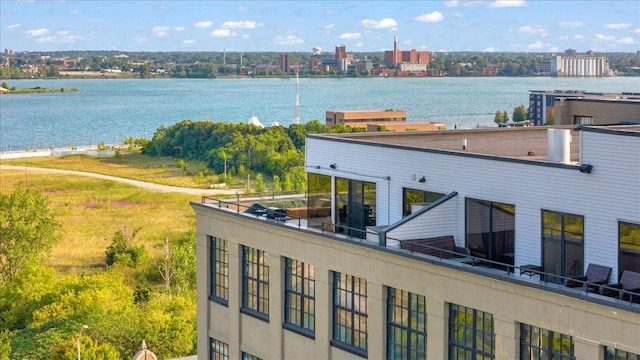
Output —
(110, 110)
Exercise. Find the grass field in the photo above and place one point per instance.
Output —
(130, 165)
(92, 210)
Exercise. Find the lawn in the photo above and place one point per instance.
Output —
(92, 210)
(130, 165)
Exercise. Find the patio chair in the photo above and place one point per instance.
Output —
(596, 275)
(629, 281)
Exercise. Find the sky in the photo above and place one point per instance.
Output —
(299, 26)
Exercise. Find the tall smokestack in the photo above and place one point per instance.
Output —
(395, 51)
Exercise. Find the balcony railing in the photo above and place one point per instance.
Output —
(449, 258)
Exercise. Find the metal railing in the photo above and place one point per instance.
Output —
(443, 255)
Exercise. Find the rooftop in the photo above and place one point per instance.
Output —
(526, 143)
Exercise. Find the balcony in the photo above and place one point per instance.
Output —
(531, 275)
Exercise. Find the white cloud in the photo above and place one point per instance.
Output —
(179, 28)
(359, 44)
(188, 41)
(507, 3)
(141, 40)
(160, 31)
(536, 45)
(604, 38)
(541, 30)
(625, 41)
(37, 32)
(636, 31)
(563, 37)
(241, 9)
(451, 3)
(579, 37)
(350, 36)
(489, 49)
(433, 17)
(288, 40)
(329, 27)
(385, 23)
(572, 25)
(14, 26)
(239, 25)
(203, 24)
(553, 49)
(63, 32)
(619, 26)
(245, 36)
(47, 39)
(222, 33)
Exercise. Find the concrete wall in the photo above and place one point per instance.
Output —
(512, 300)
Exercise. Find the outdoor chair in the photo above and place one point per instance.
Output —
(630, 282)
(596, 275)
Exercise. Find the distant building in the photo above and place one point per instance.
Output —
(396, 57)
(571, 65)
(8, 52)
(361, 118)
(284, 63)
(577, 107)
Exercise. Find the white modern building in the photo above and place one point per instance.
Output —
(371, 271)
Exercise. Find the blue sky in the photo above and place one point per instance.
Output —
(281, 26)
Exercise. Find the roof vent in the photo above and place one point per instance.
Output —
(559, 144)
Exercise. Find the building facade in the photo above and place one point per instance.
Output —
(577, 107)
(360, 118)
(580, 66)
(534, 206)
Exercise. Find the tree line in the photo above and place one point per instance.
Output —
(235, 150)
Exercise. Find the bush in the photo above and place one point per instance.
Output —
(122, 252)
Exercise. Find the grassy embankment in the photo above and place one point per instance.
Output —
(37, 90)
(91, 210)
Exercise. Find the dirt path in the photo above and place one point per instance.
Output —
(141, 184)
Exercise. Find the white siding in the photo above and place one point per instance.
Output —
(438, 221)
(610, 193)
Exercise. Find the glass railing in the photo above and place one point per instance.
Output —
(251, 207)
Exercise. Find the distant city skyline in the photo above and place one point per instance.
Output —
(298, 26)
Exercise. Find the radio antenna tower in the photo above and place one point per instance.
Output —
(297, 95)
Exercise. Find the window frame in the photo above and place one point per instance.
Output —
(255, 283)
(214, 349)
(413, 328)
(454, 326)
(247, 356)
(545, 351)
(577, 268)
(303, 296)
(621, 248)
(219, 280)
(619, 354)
(349, 297)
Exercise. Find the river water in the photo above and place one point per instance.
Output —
(111, 110)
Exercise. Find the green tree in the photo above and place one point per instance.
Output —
(259, 184)
(505, 117)
(277, 184)
(28, 231)
(519, 114)
(5, 85)
(498, 119)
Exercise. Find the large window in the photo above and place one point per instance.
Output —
(355, 205)
(541, 344)
(406, 325)
(219, 270)
(615, 354)
(247, 356)
(218, 350)
(490, 230)
(255, 282)
(471, 334)
(629, 257)
(350, 313)
(300, 292)
(319, 199)
(562, 244)
(414, 199)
